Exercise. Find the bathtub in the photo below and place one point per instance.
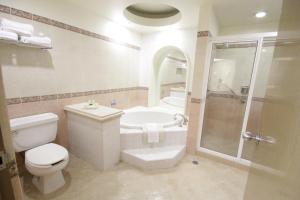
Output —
(137, 117)
(132, 122)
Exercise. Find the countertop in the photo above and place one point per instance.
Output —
(100, 113)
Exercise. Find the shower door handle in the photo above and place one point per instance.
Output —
(248, 136)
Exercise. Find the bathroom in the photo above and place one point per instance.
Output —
(143, 99)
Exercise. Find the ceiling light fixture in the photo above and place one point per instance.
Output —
(260, 14)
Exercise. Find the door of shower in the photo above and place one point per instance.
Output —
(230, 76)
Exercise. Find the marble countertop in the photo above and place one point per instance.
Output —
(97, 112)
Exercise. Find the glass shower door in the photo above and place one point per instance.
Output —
(227, 92)
(259, 92)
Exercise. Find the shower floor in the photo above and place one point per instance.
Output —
(207, 180)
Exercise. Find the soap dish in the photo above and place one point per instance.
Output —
(91, 107)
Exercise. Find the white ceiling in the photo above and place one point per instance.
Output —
(242, 12)
(228, 12)
(113, 10)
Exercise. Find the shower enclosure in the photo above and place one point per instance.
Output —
(234, 91)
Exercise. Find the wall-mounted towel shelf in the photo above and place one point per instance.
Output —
(21, 44)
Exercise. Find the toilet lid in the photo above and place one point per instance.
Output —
(47, 154)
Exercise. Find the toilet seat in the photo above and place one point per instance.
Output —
(46, 155)
(46, 163)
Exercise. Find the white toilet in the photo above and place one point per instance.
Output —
(43, 159)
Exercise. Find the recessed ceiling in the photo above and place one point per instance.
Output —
(152, 14)
(114, 11)
(228, 12)
(152, 10)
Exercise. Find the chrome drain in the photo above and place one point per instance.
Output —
(195, 162)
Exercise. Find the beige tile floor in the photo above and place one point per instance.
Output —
(208, 180)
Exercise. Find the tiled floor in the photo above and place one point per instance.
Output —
(208, 180)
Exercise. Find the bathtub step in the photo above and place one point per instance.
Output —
(154, 158)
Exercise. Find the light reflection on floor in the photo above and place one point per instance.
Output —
(208, 180)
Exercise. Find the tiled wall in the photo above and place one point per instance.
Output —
(193, 127)
(58, 24)
(165, 88)
(196, 94)
(82, 65)
(124, 99)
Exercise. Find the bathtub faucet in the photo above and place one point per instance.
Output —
(184, 119)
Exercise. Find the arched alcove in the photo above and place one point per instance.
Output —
(156, 78)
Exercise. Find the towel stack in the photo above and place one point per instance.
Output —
(8, 36)
(16, 27)
(35, 41)
(22, 33)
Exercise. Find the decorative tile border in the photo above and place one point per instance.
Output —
(236, 45)
(30, 99)
(204, 34)
(232, 96)
(51, 22)
(21, 13)
(4, 9)
(13, 101)
(171, 84)
(48, 97)
(176, 59)
(196, 100)
(64, 96)
(259, 99)
(20, 100)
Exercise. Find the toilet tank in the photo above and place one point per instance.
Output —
(32, 131)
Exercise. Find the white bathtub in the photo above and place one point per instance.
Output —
(134, 119)
(137, 117)
(134, 147)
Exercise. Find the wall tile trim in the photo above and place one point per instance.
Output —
(51, 22)
(4, 9)
(176, 59)
(19, 100)
(170, 84)
(196, 100)
(21, 13)
(204, 34)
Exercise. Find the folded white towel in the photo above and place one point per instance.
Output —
(16, 27)
(8, 36)
(152, 130)
(36, 41)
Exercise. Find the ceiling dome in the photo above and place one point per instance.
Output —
(152, 14)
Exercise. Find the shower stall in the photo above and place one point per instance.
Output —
(235, 79)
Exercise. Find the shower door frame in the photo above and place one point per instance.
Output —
(258, 38)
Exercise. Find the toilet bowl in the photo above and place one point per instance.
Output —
(43, 159)
(46, 163)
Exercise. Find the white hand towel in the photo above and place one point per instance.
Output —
(152, 131)
(8, 36)
(16, 27)
(36, 41)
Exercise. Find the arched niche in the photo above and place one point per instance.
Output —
(160, 59)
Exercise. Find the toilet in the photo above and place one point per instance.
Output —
(43, 159)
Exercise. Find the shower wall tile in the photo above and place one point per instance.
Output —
(193, 126)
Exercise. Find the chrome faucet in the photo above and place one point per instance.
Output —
(113, 103)
(184, 119)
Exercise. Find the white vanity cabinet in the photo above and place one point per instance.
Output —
(94, 134)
